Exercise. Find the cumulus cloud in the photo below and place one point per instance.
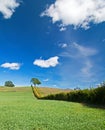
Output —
(7, 7)
(79, 13)
(11, 66)
(51, 62)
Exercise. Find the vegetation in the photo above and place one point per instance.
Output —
(35, 92)
(43, 90)
(9, 84)
(20, 110)
(91, 96)
(35, 81)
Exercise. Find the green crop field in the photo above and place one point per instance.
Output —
(19, 110)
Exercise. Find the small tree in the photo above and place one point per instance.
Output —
(9, 84)
(35, 81)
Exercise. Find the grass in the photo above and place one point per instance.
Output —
(47, 91)
(19, 110)
(43, 90)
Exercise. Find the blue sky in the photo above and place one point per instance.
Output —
(61, 42)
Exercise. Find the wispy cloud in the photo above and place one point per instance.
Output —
(75, 50)
(82, 57)
(46, 80)
(54, 85)
(7, 7)
(11, 66)
(103, 40)
(86, 70)
(51, 62)
(79, 13)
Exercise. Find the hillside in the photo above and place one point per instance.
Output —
(20, 110)
(42, 90)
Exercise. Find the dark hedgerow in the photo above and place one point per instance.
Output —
(92, 96)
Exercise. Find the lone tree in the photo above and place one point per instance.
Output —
(9, 84)
(35, 81)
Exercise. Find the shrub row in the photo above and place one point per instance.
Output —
(93, 96)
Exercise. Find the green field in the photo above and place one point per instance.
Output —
(19, 110)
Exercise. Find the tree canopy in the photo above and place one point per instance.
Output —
(9, 84)
(35, 81)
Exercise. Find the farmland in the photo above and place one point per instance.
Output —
(20, 110)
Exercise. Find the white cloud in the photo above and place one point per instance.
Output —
(54, 85)
(7, 7)
(51, 62)
(46, 80)
(11, 66)
(62, 45)
(62, 29)
(79, 13)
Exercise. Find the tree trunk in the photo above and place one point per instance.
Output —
(35, 92)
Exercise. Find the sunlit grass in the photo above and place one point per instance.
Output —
(21, 111)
